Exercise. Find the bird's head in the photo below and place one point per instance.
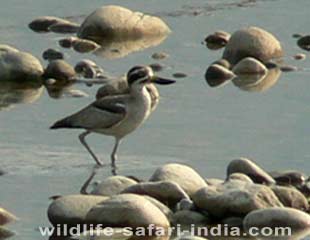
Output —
(140, 75)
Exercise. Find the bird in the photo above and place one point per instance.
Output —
(116, 115)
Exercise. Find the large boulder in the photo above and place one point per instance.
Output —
(252, 42)
(72, 209)
(187, 178)
(235, 198)
(115, 21)
(249, 168)
(113, 185)
(167, 192)
(16, 65)
(277, 217)
(127, 210)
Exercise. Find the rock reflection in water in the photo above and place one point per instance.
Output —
(12, 93)
(257, 83)
(120, 47)
(5, 233)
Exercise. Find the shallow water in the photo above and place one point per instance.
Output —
(193, 124)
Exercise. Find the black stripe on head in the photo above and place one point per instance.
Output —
(136, 73)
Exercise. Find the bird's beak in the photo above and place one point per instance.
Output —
(163, 81)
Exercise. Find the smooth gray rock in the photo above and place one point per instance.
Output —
(64, 27)
(72, 209)
(127, 210)
(6, 217)
(240, 177)
(214, 181)
(84, 45)
(162, 207)
(20, 66)
(59, 70)
(111, 21)
(304, 42)
(233, 221)
(235, 198)
(217, 75)
(249, 168)
(223, 62)
(113, 185)
(249, 65)
(217, 40)
(190, 238)
(187, 178)
(277, 217)
(167, 192)
(42, 24)
(252, 42)
(289, 177)
(291, 197)
(186, 217)
(88, 69)
(52, 54)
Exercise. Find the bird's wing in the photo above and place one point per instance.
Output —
(103, 113)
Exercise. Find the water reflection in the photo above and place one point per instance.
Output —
(249, 82)
(121, 47)
(5, 233)
(12, 93)
(257, 83)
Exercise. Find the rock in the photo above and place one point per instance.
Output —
(84, 46)
(162, 207)
(291, 197)
(179, 75)
(249, 168)
(277, 217)
(239, 177)
(233, 221)
(300, 56)
(156, 67)
(6, 217)
(217, 75)
(187, 178)
(72, 209)
(160, 55)
(217, 40)
(290, 177)
(235, 198)
(185, 204)
(111, 21)
(59, 70)
(214, 181)
(52, 54)
(42, 24)
(252, 42)
(167, 192)
(16, 65)
(186, 217)
(258, 82)
(304, 42)
(288, 68)
(64, 27)
(223, 62)
(249, 65)
(67, 42)
(127, 210)
(88, 68)
(113, 186)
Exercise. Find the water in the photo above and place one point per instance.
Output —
(193, 124)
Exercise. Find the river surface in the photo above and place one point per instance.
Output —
(193, 124)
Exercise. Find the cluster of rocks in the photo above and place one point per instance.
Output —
(252, 59)
(5, 218)
(177, 194)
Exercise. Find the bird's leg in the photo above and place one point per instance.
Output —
(88, 181)
(82, 140)
(114, 155)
